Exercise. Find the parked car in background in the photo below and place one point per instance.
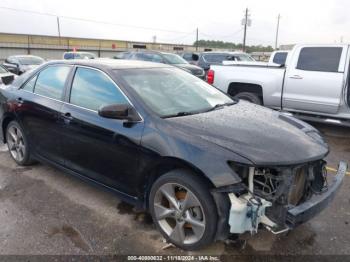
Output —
(78, 55)
(206, 59)
(277, 58)
(191, 57)
(18, 64)
(165, 58)
(203, 164)
(313, 85)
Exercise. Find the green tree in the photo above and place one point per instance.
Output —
(233, 46)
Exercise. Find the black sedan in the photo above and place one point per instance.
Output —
(204, 165)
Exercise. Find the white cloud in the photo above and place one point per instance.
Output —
(302, 21)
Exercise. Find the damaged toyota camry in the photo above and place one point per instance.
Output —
(204, 165)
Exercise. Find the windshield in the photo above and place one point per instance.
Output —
(2, 70)
(171, 91)
(31, 60)
(85, 56)
(174, 59)
(244, 57)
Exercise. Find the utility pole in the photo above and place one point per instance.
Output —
(277, 31)
(245, 23)
(197, 39)
(59, 29)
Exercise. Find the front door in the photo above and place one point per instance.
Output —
(105, 150)
(315, 79)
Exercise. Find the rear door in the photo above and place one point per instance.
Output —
(40, 102)
(315, 79)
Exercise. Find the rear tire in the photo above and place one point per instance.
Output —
(250, 97)
(17, 144)
(183, 209)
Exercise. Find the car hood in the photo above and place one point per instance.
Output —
(192, 68)
(263, 136)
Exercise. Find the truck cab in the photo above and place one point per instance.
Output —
(312, 84)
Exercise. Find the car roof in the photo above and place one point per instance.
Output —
(78, 52)
(111, 63)
(223, 53)
(17, 56)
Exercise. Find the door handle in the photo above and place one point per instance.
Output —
(296, 77)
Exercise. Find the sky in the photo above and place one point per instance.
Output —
(302, 21)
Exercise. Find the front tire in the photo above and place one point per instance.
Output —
(17, 144)
(183, 209)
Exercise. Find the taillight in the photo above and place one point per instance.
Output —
(210, 76)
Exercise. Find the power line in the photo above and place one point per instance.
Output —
(91, 20)
(221, 36)
(184, 36)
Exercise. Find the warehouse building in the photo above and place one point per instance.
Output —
(51, 47)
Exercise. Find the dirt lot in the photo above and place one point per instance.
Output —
(44, 211)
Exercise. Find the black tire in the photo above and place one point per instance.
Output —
(27, 158)
(250, 97)
(200, 189)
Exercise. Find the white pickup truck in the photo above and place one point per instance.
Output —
(313, 84)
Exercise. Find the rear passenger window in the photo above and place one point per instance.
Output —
(149, 57)
(29, 86)
(92, 89)
(217, 58)
(325, 59)
(68, 56)
(187, 56)
(51, 81)
(280, 58)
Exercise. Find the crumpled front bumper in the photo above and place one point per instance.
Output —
(243, 210)
(307, 210)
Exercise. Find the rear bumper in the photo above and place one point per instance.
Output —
(307, 210)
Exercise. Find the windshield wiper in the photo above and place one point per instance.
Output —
(188, 113)
(179, 114)
(220, 106)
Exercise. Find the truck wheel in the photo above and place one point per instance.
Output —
(183, 209)
(250, 97)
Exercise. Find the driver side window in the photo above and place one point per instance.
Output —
(92, 89)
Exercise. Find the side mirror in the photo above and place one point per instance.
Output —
(119, 111)
(6, 80)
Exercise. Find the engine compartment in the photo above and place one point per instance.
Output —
(272, 191)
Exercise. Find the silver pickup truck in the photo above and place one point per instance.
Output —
(313, 84)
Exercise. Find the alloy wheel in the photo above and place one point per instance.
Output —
(16, 144)
(179, 213)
